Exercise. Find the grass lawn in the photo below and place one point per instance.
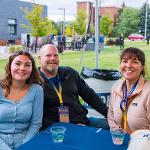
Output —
(108, 58)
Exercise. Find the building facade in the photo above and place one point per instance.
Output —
(88, 7)
(11, 20)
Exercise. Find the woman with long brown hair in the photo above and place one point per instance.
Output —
(21, 101)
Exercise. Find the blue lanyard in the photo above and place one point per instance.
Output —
(124, 101)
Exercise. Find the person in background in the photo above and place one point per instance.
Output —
(60, 43)
(62, 88)
(73, 43)
(101, 42)
(21, 101)
(129, 106)
(64, 42)
(121, 40)
(82, 41)
(147, 39)
(51, 38)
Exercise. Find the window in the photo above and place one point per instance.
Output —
(12, 26)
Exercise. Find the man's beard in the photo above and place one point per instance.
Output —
(52, 71)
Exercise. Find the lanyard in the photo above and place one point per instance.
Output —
(59, 90)
(124, 102)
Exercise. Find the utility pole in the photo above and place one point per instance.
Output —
(97, 33)
(63, 20)
(145, 35)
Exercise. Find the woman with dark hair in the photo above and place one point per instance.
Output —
(21, 101)
(129, 106)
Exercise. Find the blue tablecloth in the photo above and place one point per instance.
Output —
(77, 137)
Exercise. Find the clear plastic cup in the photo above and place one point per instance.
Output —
(58, 133)
(117, 136)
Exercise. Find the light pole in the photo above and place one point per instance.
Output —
(63, 20)
(97, 32)
(145, 35)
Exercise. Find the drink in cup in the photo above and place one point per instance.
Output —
(117, 136)
(58, 133)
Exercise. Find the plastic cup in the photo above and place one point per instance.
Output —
(117, 136)
(58, 133)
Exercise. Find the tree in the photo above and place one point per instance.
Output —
(92, 29)
(123, 5)
(106, 25)
(69, 30)
(80, 23)
(39, 26)
(116, 19)
(49, 26)
(142, 16)
(120, 11)
(128, 21)
(56, 28)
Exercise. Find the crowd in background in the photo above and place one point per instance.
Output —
(62, 42)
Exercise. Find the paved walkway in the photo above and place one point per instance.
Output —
(4, 53)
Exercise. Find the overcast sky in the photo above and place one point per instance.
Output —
(70, 6)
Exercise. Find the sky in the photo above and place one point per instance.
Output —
(56, 14)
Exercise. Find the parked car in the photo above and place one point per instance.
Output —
(135, 37)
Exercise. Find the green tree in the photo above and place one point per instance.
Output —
(49, 26)
(80, 23)
(92, 29)
(120, 11)
(39, 26)
(106, 25)
(128, 21)
(56, 28)
(123, 5)
(116, 20)
(142, 16)
(69, 29)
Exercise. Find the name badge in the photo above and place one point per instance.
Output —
(63, 113)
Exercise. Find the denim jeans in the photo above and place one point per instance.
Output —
(11, 141)
(99, 123)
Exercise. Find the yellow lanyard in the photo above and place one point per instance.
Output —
(125, 120)
(124, 103)
(59, 90)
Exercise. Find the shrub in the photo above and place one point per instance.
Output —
(110, 42)
(117, 42)
(14, 48)
(113, 42)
